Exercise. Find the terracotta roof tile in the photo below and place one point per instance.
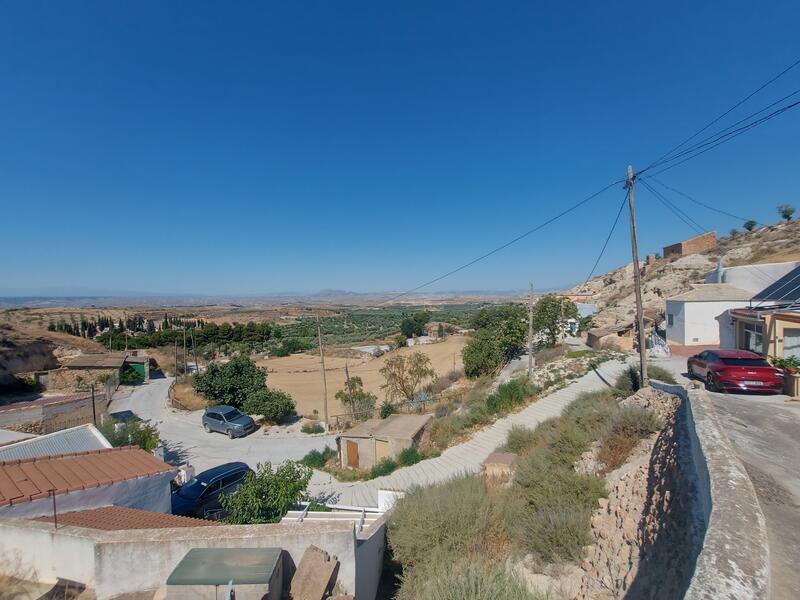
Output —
(30, 478)
(115, 518)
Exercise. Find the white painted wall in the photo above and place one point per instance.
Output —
(753, 278)
(727, 331)
(695, 323)
(147, 493)
(118, 562)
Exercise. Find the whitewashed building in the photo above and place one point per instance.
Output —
(692, 316)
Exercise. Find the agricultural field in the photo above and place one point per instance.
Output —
(300, 375)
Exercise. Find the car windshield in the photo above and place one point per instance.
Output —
(745, 362)
(193, 489)
(231, 414)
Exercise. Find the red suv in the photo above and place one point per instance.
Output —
(735, 371)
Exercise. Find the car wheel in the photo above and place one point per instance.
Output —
(230, 433)
(206, 427)
(710, 385)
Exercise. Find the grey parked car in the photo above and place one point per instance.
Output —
(227, 420)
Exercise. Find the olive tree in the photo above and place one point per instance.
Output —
(405, 374)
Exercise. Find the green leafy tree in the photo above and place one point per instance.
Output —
(359, 402)
(786, 212)
(550, 316)
(415, 324)
(405, 374)
(267, 495)
(232, 382)
(129, 376)
(440, 330)
(133, 433)
(750, 225)
(482, 354)
(273, 405)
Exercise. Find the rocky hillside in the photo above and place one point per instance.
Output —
(613, 292)
(24, 349)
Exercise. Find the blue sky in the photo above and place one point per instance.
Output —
(247, 148)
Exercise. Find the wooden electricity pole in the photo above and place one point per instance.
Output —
(176, 359)
(637, 279)
(530, 332)
(194, 351)
(184, 348)
(324, 378)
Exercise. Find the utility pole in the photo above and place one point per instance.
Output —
(194, 351)
(176, 359)
(324, 378)
(184, 348)
(349, 389)
(637, 278)
(530, 332)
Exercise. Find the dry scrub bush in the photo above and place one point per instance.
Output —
(626, 427)
(470, 581)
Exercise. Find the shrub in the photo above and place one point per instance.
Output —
(387, 409)
(384, 467)
(273, 405)
(508, 396)
(133, 433)
(629, 381)
(554, 534)
(469, 580)
(316, 459)
(408, 457)
(519, 440)
(627, 426)
(267, 495)
(482, 355)
(421, 532)
(311, 429)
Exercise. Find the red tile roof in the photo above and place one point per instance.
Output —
(33, 478)
(116, 518)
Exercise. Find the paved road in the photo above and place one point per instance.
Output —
(765, 431)
(466, 457)
(187, 441)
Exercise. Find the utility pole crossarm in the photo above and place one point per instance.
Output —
(637, 279)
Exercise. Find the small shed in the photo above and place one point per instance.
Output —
(691, 316)
(368, 443)
(140, 364)
(616, 337)
(208, 574)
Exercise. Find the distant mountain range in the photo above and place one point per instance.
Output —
(321, 297)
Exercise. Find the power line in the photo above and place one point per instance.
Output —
(673, 208)
(608, 238)
(720, 139)
(704, 205)
(507, 244)
(730, 110)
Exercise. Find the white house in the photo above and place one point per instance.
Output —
(691, 316)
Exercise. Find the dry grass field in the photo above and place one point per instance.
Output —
(300, 375)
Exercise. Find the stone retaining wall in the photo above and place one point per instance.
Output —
(682, 519)
(647, 533)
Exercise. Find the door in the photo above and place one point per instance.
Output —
(699, 364)
(381, 450)
(791, 343)
(209, 499)
(352, 454)
(215, 422)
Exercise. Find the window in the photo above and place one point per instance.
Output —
(670, 320)
(231, 415)
(214, 417)
(232, 478)
(753, 338)
(212, 488)
(745, 362)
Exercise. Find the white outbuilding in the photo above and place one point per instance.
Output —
(691, 316)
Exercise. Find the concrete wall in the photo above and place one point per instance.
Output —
(753, 278)
(117, 562)
(370, 546)
(734, 559)
(695, 323)
(37, 417)
(147, 493)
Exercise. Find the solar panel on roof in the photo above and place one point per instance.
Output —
(787, 288)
